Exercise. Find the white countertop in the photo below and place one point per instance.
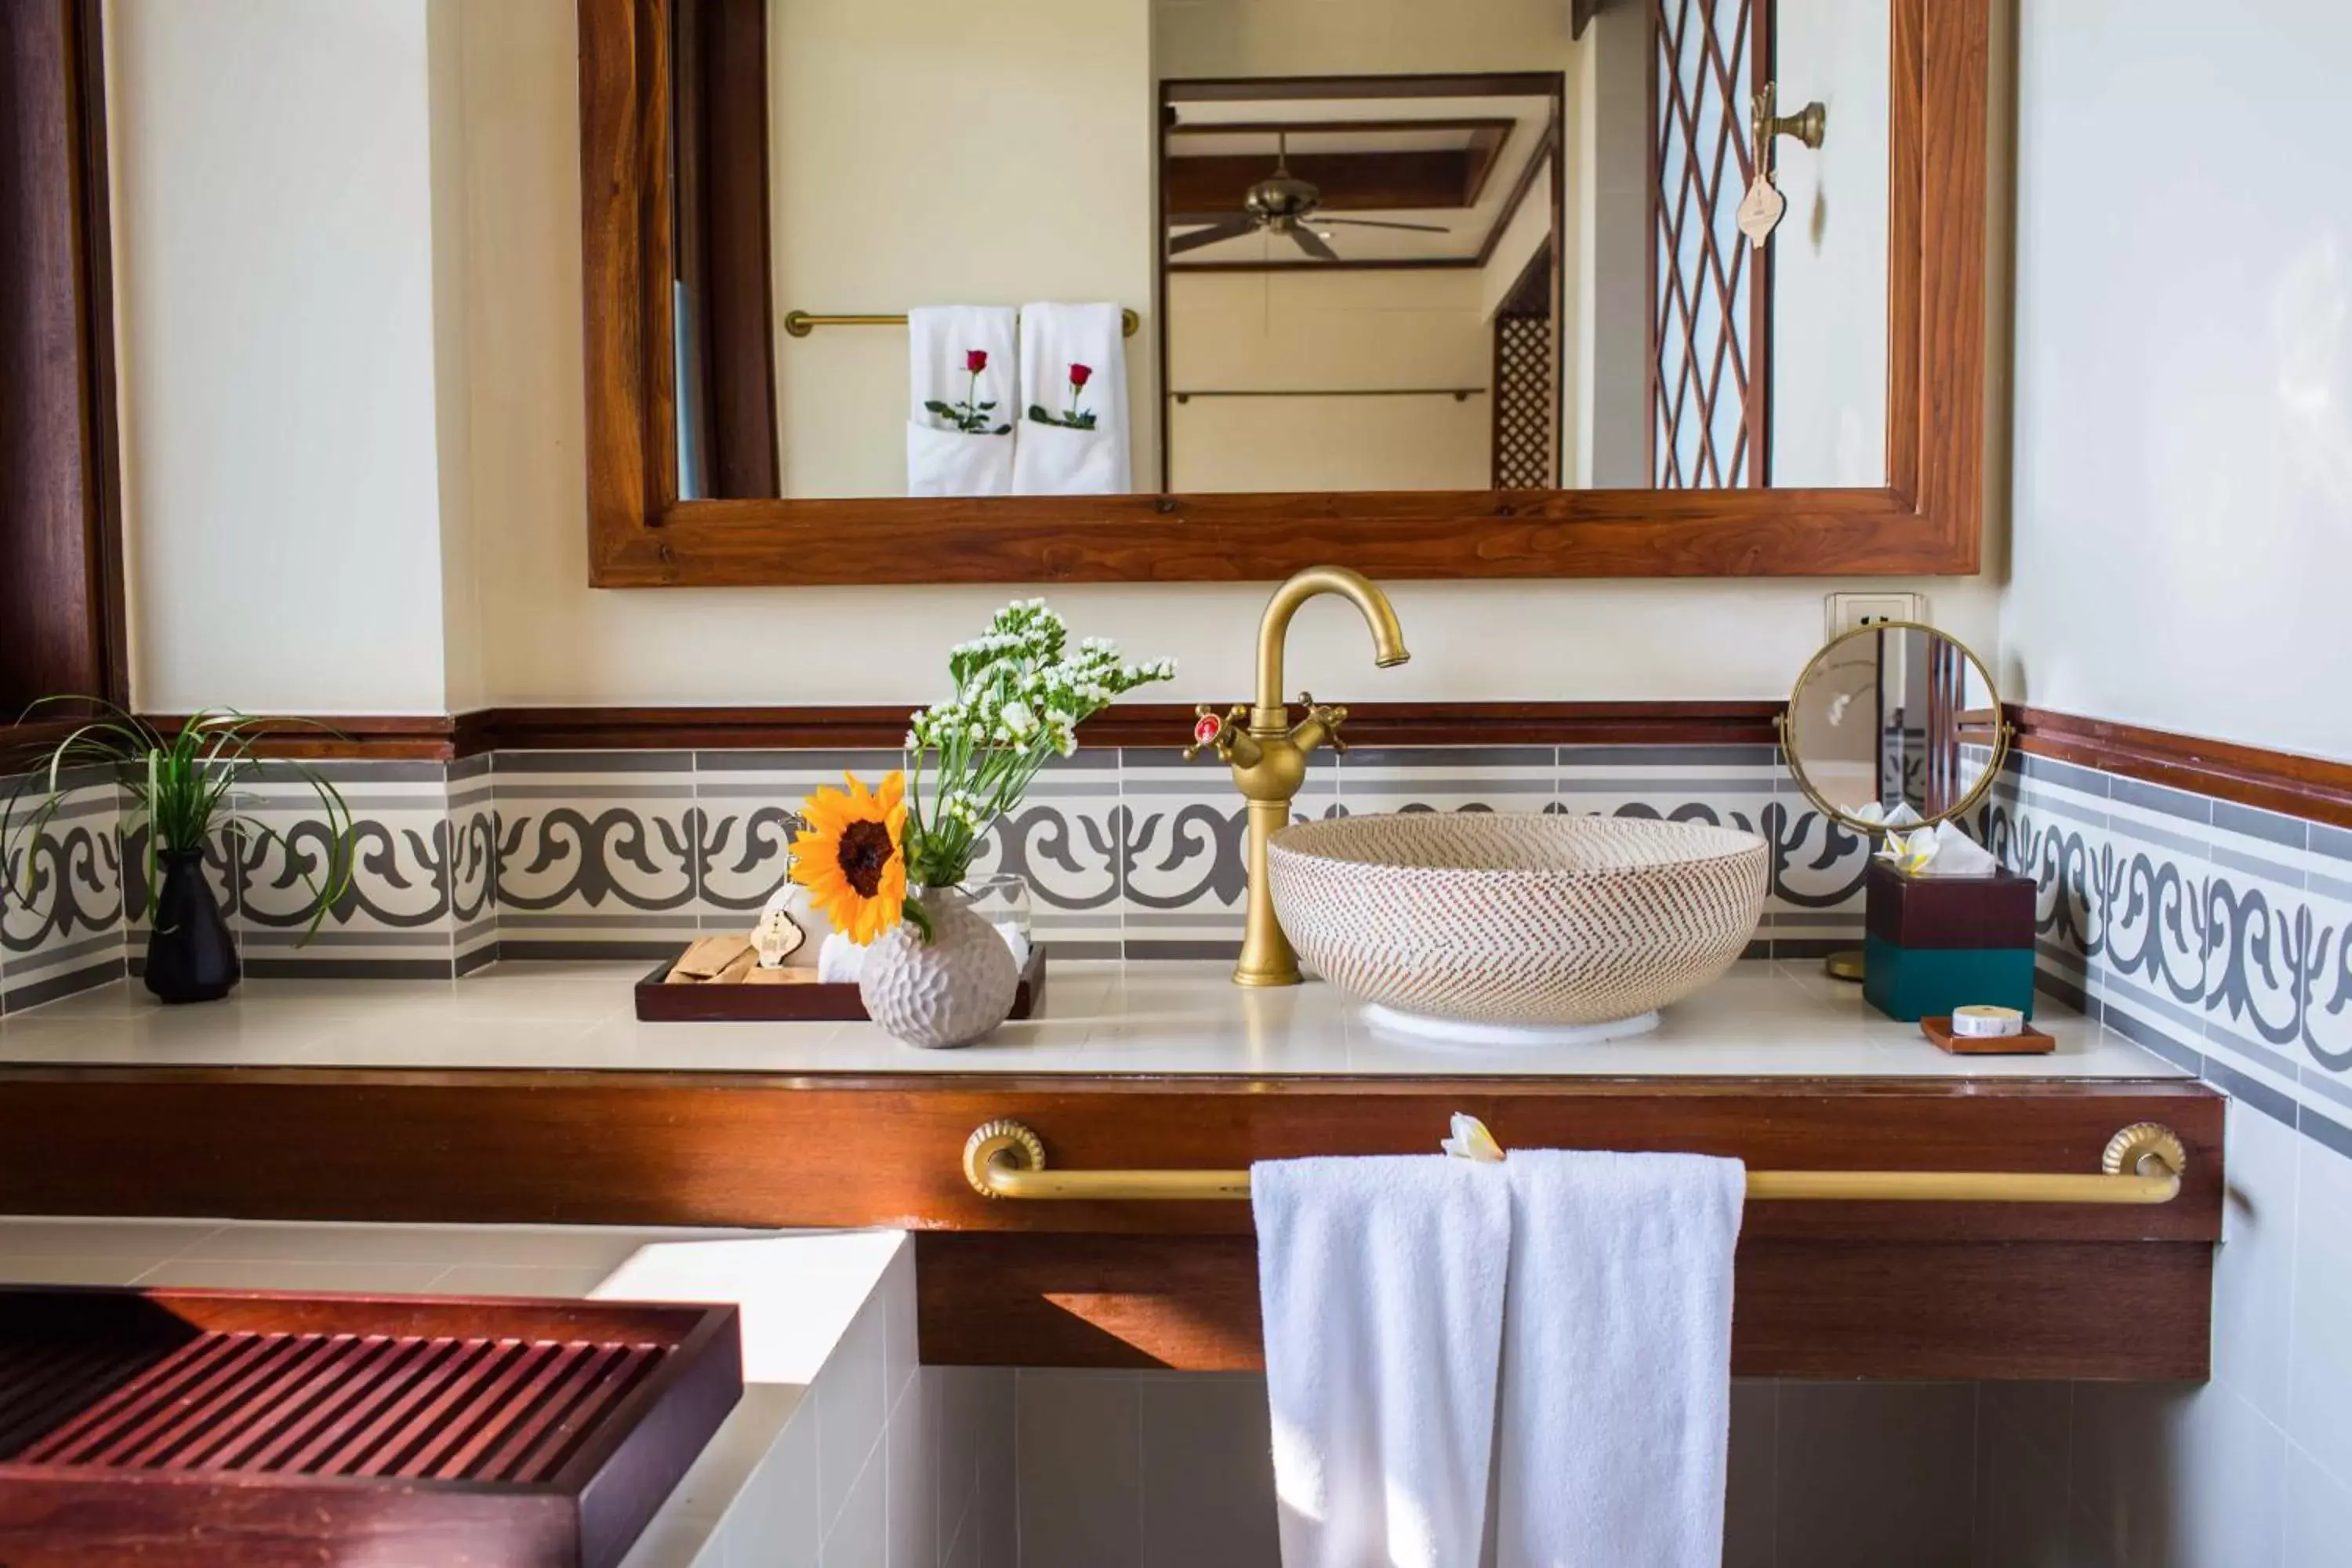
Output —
(1782, 1020)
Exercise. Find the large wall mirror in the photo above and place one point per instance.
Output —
(1443, 290)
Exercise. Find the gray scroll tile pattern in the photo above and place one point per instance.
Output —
(1181, 849)
(1814, 902)
(2218, 936)
(394, 917)
(747, 810)
(1068, 839)
(597, 853)
(64, 933)
(1134, 853)
(473, 866)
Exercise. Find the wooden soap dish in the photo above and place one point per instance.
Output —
(2027, 1042)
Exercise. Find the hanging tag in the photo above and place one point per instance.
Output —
(1760, 210)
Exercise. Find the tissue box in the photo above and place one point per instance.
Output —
(1935, 943)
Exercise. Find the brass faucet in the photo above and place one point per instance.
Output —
(1269, 757)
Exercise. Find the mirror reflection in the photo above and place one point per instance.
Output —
(1385, 246)
(1892, 717)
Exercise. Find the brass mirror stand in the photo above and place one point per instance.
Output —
(1847, 964)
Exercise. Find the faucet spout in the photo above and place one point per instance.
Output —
(1388, 637)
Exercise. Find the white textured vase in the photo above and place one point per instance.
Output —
(948, 991)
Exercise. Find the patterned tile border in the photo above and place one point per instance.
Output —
(2217, 935)
(1131, 853)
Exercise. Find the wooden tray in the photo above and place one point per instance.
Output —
(2027, 1042)
(661, 1003)
(265, 1429)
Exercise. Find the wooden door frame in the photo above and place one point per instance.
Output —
(1926, 519)
(62, 619)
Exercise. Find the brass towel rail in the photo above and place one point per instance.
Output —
(2142, 1164)
(800, 323)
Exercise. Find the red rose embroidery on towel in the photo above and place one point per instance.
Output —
(973, 415)
(1073, 418)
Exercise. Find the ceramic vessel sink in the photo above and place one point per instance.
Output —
(1501, 928)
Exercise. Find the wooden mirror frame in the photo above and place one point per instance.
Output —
(1926, 518)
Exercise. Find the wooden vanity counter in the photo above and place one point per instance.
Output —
(529, 1094)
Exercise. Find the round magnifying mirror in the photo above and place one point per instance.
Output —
(1895, 724)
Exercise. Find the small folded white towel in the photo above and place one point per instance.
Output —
(1381, 1282)
(1616, 1365)
(959, 372)
(1073, 407)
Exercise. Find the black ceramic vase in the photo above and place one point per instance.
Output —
(191, 957)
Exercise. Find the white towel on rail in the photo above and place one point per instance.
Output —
(1616, 1365)
(1074, 424)
(1381, 1282)
(961, 371)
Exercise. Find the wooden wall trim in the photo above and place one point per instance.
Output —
(2313, 787)
(1926, 520)
(1135, 724)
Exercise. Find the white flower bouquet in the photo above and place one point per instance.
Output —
(1020, 695)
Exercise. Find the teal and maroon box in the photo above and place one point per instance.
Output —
(1935, 944)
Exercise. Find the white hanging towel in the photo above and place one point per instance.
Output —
(961, 381)
(1381, 1283)
(1616, 1365)
(1073, 424)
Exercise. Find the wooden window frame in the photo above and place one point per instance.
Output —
(62, 623)
(1926, 518)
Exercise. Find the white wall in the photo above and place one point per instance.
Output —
(549, 638)
(1317, 37)
(938, 151)
(1829, 255)
(2184, 371)
(1300, 330)
(312, 581)
(274, 212)
(2183, 533)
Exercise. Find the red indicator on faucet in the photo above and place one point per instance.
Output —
(1208, 728)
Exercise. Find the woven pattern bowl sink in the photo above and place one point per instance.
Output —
(1491, 927)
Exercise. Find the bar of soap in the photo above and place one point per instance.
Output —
(760, 976)
(1983, 1023)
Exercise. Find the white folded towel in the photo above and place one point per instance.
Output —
(960, 385)
(1074, 424)
(1616, 1366)
(1381, 1282)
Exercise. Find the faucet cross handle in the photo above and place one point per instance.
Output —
(1328, 716)
(1211, 730)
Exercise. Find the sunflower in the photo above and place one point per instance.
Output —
(849, 856)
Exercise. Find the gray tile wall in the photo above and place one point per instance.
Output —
(2220, 937)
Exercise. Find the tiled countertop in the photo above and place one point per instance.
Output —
(1763, 1019)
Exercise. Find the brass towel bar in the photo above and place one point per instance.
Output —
(2142, 1166)
(800, 323)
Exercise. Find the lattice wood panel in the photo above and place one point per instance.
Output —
(1708, 287)
(1527, 429)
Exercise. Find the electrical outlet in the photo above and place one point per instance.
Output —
(1848, 611)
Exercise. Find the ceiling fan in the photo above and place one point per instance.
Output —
(1282, 203)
